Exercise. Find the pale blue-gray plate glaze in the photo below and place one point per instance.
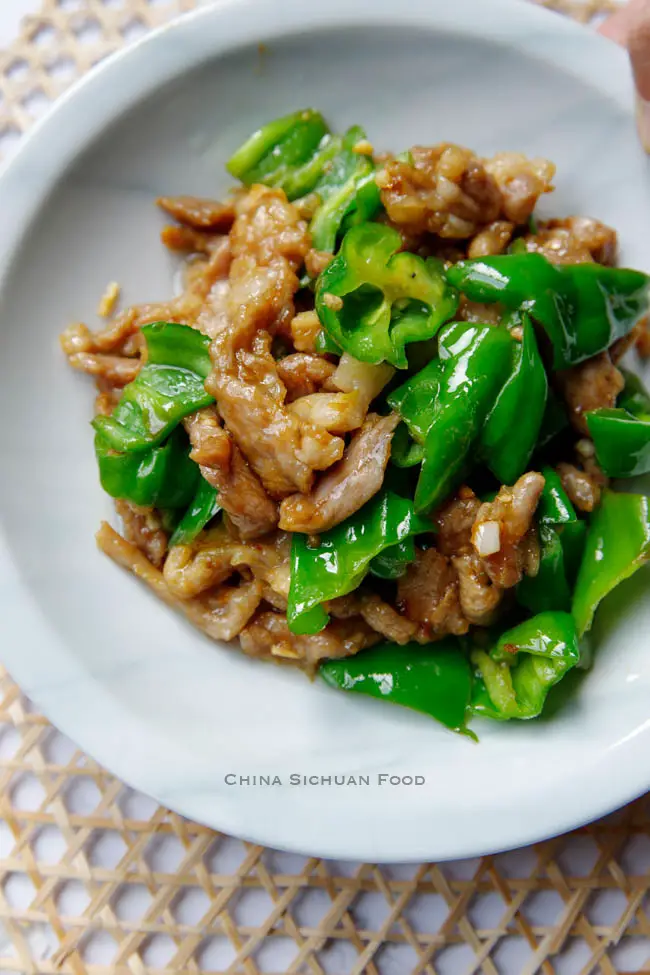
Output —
(135, 686)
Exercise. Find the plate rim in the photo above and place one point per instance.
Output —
(73, 124)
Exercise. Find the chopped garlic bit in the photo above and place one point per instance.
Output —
(109, 300)
(585, 448)
(363, 148)
(284, 649)
(333, 301)
(487, 538)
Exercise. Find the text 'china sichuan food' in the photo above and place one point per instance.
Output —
(374, 434)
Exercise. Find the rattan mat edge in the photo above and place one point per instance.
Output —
(86, 886)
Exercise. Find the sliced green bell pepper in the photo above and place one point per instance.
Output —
(583, 308)
(476, 361)
(635, 397)
(394, 561)
(618, 543)
(621, 440)
(514, 678)
(275, 153)
(621, 436)
(161, 477)
(511, 431)
(433, 679)
(203, 508)
(348, 193)
(341, 559)
(415, 400)
(561, 539)
(372, 301)
(169, 386)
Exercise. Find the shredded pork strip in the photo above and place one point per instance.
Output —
(221, 614)
(269, 242)
(241, 493)
(348, 485)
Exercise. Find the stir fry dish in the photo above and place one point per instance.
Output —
(375, 433)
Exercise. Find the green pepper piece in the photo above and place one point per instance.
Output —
(555, 420)
(301, 180)
(403, 451)
(203, 508)
(394, 561)
(515, 677)
(635, 397)
(622, 441)
(554, 506)
(388, 298)
(561, 537)
(273, 152)
(512, 428)
(618, 543)
(434, 679)
(582, 307)
(163, 477)
(415, 400)
(348, 193)
(324, 344)
(343, 555)
(549, 589)
(476, 360)
(168, 387)
(574, 538)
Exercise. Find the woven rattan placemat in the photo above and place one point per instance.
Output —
(96, 879)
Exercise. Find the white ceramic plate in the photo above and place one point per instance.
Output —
(126, 678)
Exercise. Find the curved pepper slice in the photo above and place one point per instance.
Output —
(434, 679)
(512, 428)
(582, 307)
(273, 154)
(372, 301)
(476, 360)
(162, 477)
(341, 559)
(348, 192)
(562, 539)
(168, 387)
(635, 397)
(514, 679)
(202, 509)
(621, 440)
(621, 436)
(394, 561)
(618, 543)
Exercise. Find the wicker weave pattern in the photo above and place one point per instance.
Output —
(137, 890)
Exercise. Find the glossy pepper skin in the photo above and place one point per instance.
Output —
(347, 191)
(276, 153)
(393, 562)
(476, 360)
(562, 539)
(583, 308)
(514, 678)
(298, 154)
(621, 436)
(618, 543)
(337, 565)
(161, 477)
(512, 429)
(168, 387)
(372, 301)
(433, 679)
(202, 509)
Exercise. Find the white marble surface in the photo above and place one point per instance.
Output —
(10, 12)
